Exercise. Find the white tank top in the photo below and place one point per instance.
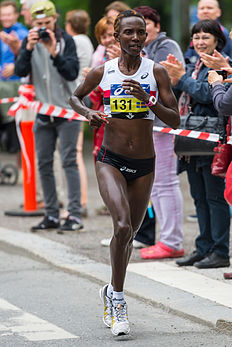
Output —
(119, 104)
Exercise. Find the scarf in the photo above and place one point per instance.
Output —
(185, 99)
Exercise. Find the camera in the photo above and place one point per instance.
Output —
(43, 34)
(223, 73)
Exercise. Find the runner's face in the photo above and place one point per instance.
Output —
(132, 35)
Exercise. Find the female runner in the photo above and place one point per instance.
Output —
(132, 88)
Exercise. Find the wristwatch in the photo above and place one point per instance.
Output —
(152, 101)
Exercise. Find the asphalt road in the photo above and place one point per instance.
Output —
(43, 306)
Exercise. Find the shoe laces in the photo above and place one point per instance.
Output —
(120, 312)
(108, 305)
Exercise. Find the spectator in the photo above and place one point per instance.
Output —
(52, 60)
(222, 100)
(166, 196)
(30, 114)
(25, 11)
(209, 9)
(10, 41)
(112, 10)
(77, 25)
(207, 190)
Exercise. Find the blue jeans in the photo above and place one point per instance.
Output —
(212, 210)
(46, 134)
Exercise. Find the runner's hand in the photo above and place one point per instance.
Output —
(96, 119)
(134, 88)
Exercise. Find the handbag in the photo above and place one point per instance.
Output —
(228, 189)
(223, 157)
(186, 146)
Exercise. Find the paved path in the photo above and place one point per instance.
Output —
(200, 294)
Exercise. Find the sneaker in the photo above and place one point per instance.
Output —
(105, 242)
(160, 251)
(48, 222)
(192, 218)
(136, 244)
(107, 302)
(120, 323)
(71, 224)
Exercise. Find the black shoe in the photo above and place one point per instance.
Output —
(189, 260)
(70, 224)
(212, 261)
(47, 223)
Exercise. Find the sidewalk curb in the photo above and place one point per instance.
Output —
(169, 298)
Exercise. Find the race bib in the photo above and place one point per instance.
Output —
(122, 102)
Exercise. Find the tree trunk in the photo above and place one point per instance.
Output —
(96, 12)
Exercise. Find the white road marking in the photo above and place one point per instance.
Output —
(186, 280)
(13, 320)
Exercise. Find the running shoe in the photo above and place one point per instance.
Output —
(107, 302)
(136, 244)
(120, 323)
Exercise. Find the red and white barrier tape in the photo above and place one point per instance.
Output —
(9, 100)
(26, 95)
(192, 133)
(45, 109)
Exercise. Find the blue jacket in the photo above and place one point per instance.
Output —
(6, 55)
(201, 97)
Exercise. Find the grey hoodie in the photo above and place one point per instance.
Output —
(158, 50)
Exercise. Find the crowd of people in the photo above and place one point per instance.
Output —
(137, 76)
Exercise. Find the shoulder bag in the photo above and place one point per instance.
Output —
(187, 146)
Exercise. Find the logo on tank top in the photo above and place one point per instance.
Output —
(130, 115)
(144, 76)
(111, 71)
(121, 102)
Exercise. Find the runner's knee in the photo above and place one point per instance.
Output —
(124, 233)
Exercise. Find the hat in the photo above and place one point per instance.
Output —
(43, 9)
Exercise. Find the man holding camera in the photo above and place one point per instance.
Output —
(49, 55)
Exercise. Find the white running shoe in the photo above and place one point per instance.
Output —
(136, 244)
(105, 242)
(120, 323)
(107, 302)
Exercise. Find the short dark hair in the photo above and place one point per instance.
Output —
(79, 21)
(148, 13)
(7, 3)
(212, 27)
(126, 14)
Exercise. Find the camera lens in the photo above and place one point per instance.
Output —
(43, 34)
